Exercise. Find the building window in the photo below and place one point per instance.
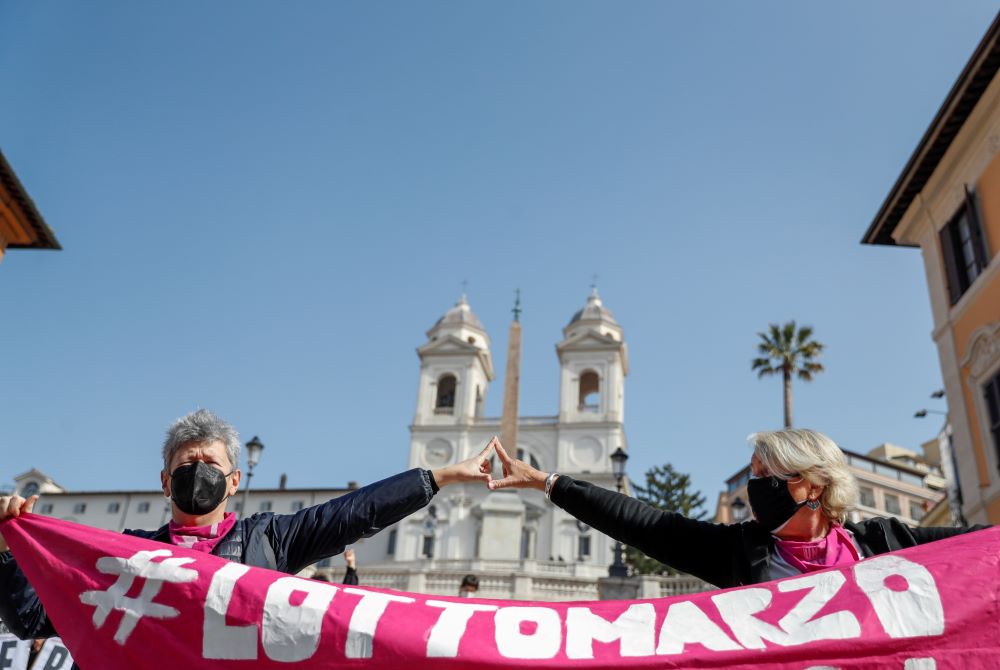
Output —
(30, 489)
(963, 247)
(991, 394)
(427, 551)
(114, 508)
(527, 548)
(445, 403)
(583, 547)
(391, 546)
(590, 387)
(80, 508)
(238, 508)
(917, 510)
(45, 509)
(143, 508)
(297, 505)
(892, 504)
(867, 496)
(522, 455)
(265, 506)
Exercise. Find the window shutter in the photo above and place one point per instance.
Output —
(976, 226)
(951, 268)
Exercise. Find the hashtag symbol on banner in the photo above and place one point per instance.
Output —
(139, 566)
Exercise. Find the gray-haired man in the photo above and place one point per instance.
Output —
(200, 473)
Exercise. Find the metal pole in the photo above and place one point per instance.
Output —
(618, 567)
(246, 493)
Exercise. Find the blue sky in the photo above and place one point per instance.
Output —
(264, 206)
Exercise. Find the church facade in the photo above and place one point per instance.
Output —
(518, 543)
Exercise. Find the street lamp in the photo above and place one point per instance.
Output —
(618, 458)
(949, 465)
(254, 449)
(739, 509)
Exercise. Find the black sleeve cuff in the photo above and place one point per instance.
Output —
(434, 485)
(559, 487)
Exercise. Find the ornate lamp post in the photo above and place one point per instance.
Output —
(618, 458)
(254, 449)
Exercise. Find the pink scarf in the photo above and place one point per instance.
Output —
(201, 538)
(837, 548)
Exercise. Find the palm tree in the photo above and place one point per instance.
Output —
(790, 351)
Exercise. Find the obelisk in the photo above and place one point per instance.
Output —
(511, 382)
(503, 511)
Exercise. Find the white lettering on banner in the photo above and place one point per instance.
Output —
(450, 627)
(221, 641)
(139, 566)
(364, 620)
(13, 652)
(53, 656)
(684, 624)
(290, 632)
(822, 587)
(514, 640)
(635, 628)
(914, 612)
(920, 664)
(738, 609)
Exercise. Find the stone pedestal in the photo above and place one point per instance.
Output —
(618, 588)
(502, 513)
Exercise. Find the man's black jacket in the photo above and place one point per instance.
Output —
(723, 555)
(283, 542)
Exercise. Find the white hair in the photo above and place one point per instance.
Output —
(200, 427)
(814, 456)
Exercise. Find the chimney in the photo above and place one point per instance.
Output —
(283, 482)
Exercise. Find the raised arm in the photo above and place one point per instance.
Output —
(324, 530)
(703, 549)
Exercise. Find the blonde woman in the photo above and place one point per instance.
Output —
(800, 492)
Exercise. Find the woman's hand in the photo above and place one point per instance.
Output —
(475, 469)
(517, 474)
(15, 506)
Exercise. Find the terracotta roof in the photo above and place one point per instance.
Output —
(44, 237)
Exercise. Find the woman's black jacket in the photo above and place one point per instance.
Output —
(723, 555)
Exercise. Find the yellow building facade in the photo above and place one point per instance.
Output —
(947, 203)
(21, 226)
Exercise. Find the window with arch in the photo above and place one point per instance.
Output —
(445, 403)
(590, 392)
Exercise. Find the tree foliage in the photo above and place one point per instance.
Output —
(789, 351)
(668, 490)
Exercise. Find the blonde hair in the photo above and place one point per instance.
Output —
(814, 456)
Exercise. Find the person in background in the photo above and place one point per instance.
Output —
(468, 587)
(351, 574)
(800, 491)
(201, 473)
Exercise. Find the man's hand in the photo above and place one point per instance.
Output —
(349, 559)
(517, 474)
(11, 507)
(475, 469)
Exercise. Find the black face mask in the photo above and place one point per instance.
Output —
(771, 503)
(198, 488)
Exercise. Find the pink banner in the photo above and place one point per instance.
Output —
(120, 603)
